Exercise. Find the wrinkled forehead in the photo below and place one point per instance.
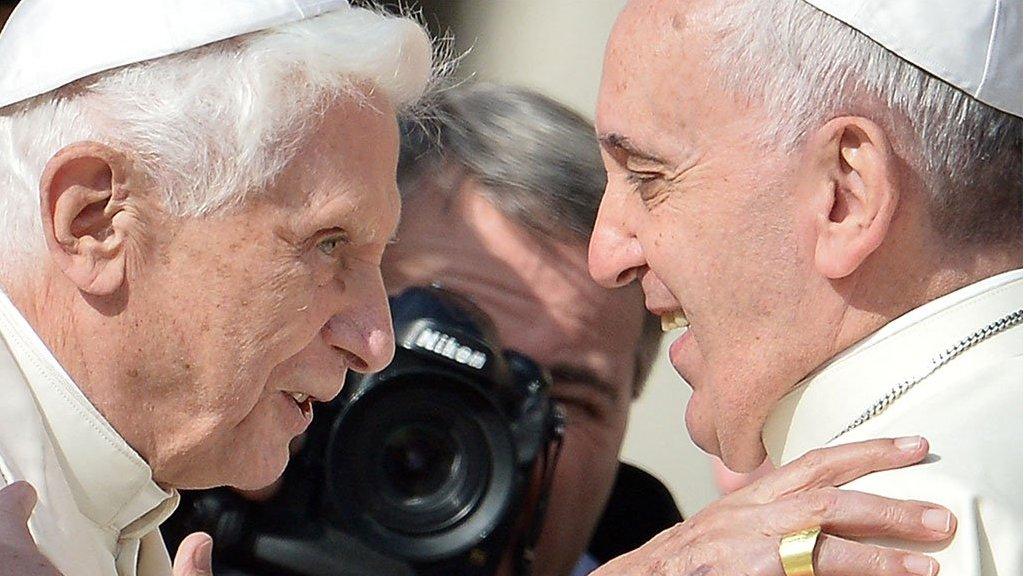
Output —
(651, 74)
(648, 37)
(348, 164)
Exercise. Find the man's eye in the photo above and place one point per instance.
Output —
(329, 245)
(648, 185)
(637, 179)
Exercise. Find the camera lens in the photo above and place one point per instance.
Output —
(418, 459)
(421, 466)
(418, 462)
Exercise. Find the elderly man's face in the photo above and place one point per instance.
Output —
(240, 312)
(543, 304)
(707, 220)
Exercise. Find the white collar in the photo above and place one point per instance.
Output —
(111, 483)
(824, 403)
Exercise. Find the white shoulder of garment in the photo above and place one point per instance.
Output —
(98, 508)
(971, 416)
(969, 409)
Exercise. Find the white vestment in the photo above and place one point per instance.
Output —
(969, 409)
(99, 509)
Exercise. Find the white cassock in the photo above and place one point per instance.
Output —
(99, 509)
(965, 357)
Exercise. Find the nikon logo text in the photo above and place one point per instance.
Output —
(444, 345)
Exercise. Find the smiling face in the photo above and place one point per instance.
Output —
(543, 304)
(710, 222)
(245, 314)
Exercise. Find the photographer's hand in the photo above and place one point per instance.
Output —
(19, 555)
(740, 533)
(194, 556)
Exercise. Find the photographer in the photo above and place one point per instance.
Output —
(500, 195)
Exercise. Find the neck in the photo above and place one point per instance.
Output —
(48, 309)
(878, 294)
(72, 328)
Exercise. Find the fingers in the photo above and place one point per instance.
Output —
(194, 556)
(834, 556)
(17, 501)
(837, 465)
(859, 515)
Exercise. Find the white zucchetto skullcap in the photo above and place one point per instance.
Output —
(973, 45)
(47, 44)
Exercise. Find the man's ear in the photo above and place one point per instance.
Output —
(83, 195)
(858, 196)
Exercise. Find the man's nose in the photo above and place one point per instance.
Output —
(364, 331)
(615, 256)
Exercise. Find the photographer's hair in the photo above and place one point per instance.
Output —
(212, 126)
(806, 67)
(538, 161)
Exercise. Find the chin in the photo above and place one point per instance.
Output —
(262, 475)
(700, 429)
(742, 457)
(743, 465)
(250, 469)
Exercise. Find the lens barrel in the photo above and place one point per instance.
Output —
(421, 466)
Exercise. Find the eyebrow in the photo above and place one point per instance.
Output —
(584, 375)
(622, 142)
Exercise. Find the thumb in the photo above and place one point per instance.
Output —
(17, 501)
(194, 556)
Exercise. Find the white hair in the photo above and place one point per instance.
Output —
(807, 67)
(213, 125)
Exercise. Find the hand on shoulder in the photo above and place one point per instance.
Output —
(741, 533)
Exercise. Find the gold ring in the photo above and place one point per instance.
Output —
(797, 552)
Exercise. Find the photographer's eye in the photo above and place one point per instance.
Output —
(578, 402)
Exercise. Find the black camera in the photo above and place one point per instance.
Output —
(420, 469)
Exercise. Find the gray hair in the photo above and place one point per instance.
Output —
(538, 161)
(807, 67)
(211, 126)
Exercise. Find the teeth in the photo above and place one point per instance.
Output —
(299, 397)
(674, 321)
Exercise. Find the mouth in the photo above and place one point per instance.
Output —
(674, 320)
(299, 397)
(303, 401)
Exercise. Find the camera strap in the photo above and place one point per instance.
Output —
(526, 553)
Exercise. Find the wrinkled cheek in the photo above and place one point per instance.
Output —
(289, 315)
(282, 350)
(258, 427)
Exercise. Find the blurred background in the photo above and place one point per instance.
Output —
(556, 47)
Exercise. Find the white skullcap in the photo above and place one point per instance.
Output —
(47, 44)
(973, 45)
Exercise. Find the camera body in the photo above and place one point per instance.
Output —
(420, 469)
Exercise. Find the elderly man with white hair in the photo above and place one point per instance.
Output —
(828, 194)
(195, 197)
